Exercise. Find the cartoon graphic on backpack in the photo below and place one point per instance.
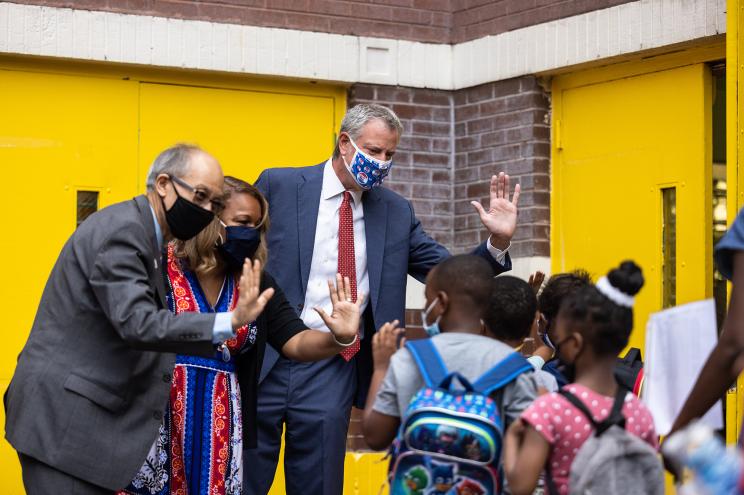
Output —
(452, 435)
(612, 460)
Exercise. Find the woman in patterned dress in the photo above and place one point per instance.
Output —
(200, 442)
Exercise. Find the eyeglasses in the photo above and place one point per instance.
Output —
(202, 197)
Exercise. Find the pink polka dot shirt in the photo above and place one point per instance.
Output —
(566, 429)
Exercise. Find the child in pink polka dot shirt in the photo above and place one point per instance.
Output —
(593, 326)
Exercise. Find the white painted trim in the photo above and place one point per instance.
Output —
(521, 267)
(191, 44)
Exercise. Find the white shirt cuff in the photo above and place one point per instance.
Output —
(536, 361)
(497, 253)
(222, 329)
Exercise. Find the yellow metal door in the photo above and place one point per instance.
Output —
(246, 130)
(59, 135)
(623, 148)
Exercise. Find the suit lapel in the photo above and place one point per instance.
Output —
(308, 202)
(375, 223)
(154, 257)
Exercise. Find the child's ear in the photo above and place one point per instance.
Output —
(443, 301)
(579, 338)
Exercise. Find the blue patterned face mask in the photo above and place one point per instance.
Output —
(433, 329)
(368, 172)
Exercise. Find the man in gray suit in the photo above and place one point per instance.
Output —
(92, 382)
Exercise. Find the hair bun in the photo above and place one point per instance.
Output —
(627, 278)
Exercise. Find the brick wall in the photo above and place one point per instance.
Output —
(503, 127)
(472, 19)
(420, 20)
(433, 21)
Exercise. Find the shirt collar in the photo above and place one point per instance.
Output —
(158, 230)
(332, 185)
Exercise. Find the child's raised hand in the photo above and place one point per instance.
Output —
(536, 280)
(385, 343)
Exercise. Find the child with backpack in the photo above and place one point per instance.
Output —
(592, 436)
(509, 319)
(447, 398)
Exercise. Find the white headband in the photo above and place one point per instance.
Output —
(614, 294)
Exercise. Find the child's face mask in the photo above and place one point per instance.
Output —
(433, 329)
(542, 332)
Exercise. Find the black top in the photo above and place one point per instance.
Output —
(276, 325)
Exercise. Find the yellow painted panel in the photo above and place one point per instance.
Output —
(247, 131)
(616, 144)
(58, 134)
(79, 129)
(365, 474)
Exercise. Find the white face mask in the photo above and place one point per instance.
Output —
(433, 329)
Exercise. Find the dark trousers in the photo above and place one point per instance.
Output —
(41, 479)
(313, 401)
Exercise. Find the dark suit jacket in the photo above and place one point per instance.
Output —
(94, 377)
(396, 246)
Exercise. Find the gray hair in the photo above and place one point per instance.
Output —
(172, 161)
(358, 116)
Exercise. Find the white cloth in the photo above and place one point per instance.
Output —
(324, 265)
(678, 342)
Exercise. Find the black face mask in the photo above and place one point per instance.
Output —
(567, 369)
(186, 219)
(240, 243)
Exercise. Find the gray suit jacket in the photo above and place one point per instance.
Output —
(94, 377)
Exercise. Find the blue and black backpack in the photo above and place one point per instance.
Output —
(450, 438)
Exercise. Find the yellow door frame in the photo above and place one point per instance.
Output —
(735, 180)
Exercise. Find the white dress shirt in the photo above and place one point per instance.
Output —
(324, 265)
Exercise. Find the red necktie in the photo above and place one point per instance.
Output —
(346, 259)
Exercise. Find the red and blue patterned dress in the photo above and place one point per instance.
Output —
(199, 447)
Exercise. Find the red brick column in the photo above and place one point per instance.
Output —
(503, 127)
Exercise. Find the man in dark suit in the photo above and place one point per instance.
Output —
(327, 218)
(92, 382)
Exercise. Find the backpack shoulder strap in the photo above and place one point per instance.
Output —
(428, 360)
(506, 371)
(615, 417)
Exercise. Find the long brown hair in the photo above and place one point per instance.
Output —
(200, 252)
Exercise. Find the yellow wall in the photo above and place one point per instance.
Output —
(71, 126)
